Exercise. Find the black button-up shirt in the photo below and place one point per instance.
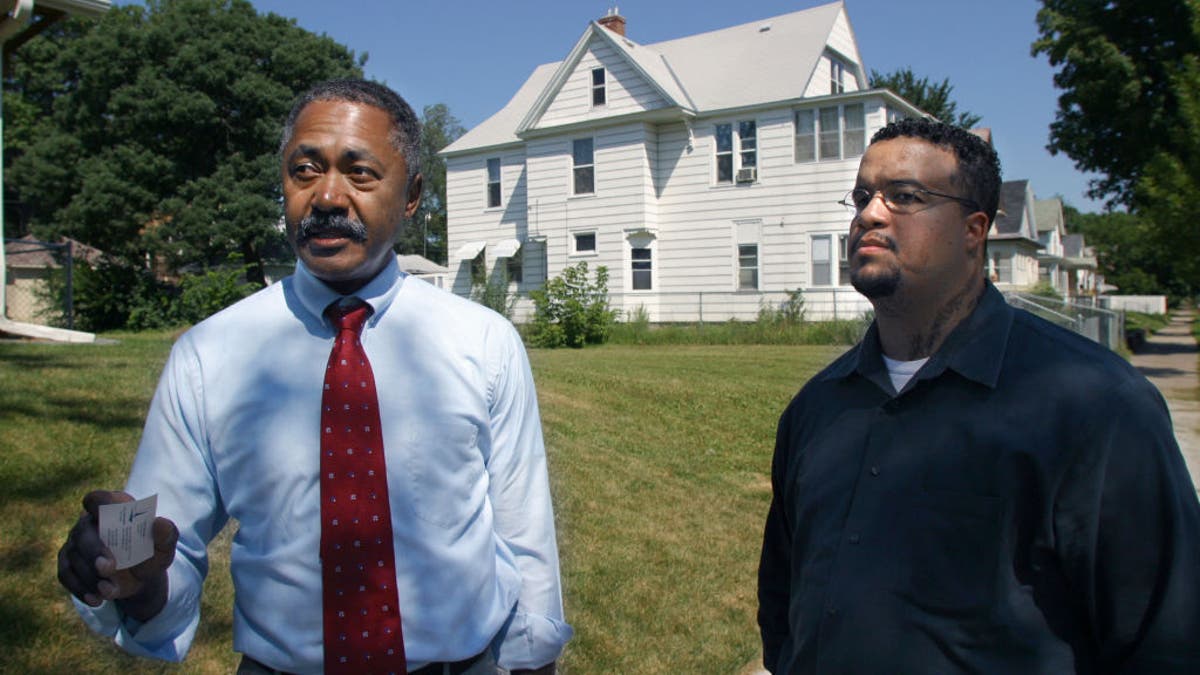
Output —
(1021, 506)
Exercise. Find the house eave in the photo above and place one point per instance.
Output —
(655, 116)
(815, 101)
(507, 145)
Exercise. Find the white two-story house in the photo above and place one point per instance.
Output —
(1013, 245)
(703, 172)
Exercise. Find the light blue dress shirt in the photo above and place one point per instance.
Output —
(233, 432)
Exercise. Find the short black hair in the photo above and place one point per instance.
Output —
(978, 172)
(406, 128)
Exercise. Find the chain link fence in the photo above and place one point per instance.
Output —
(39, 287)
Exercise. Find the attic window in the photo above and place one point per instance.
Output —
(599, 96)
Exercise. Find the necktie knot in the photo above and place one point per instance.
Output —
(349, 317)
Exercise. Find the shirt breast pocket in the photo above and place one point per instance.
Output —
(954, 542)
(444, 471)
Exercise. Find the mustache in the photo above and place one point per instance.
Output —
(872, 239)
(330, 223)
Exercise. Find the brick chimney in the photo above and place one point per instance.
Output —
(613, 21)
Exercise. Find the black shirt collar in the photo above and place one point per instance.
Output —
(974, 349)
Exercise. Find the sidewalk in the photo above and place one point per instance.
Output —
(1168, 359)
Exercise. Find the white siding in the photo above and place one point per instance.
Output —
(841, 40)
(622, 198)
(470, 219)
(627, 90)
(647, 178)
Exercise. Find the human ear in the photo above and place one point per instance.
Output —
(413, 199)
(977, 226)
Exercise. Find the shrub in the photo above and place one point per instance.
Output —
(495, 296)
(571, 311)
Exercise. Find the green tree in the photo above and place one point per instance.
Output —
(1130, 111)
(154, 133)
(1129, 252)
(1123, 68)
(933, 98)
(426, 234)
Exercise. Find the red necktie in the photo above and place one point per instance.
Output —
(358, 568)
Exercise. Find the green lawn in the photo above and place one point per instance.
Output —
(659, 462)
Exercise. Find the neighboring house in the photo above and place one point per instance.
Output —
(703, 172)
(1083, 277)
(1051, 228)
(418, 266)
(29, 266)
(1013, 244)
(424, 268)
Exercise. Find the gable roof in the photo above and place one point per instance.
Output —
(1049, 215)
(649, 64)
(750, 64)
(29, 252)
(1011, 221)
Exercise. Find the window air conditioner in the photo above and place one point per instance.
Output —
(747, 175)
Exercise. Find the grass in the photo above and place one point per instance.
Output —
(659, 460)
(1151, 323)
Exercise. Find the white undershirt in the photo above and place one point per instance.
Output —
(902, 371)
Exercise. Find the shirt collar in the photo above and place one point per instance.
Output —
(974, 349)
(379, 292)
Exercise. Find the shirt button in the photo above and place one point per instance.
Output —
(874, 471)
(854, 539)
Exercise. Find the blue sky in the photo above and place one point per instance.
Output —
(473, 55)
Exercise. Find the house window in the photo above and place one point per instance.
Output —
(831, 144)
(833, 132)
(493, 182)
(747, 150)
(806, 135)
(584, 172)
(747, 267)
(821, 259)
(724, 135)
(641, 266)
(583, 242)
(894, 115)
(854, 130)
(516, 266)
(598, 94)
(748, 143)
(843, 260)
(837, 76)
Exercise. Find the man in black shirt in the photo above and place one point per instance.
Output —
(971, 489)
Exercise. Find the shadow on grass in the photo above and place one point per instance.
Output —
(46, 484)
(42, 360)
(114, 412)
(21, 622)
(23, 555)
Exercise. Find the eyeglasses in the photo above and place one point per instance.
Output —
(899, 198)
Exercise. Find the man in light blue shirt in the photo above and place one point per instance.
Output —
(233, 430)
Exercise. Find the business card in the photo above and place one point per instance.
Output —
(126, 529)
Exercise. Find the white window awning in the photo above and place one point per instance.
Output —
(469, 250)
(506, 248)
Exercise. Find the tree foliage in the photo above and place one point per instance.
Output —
(1130, 110)
(933, 98)
(153, 134)
(426, 234)
(1124, 69)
